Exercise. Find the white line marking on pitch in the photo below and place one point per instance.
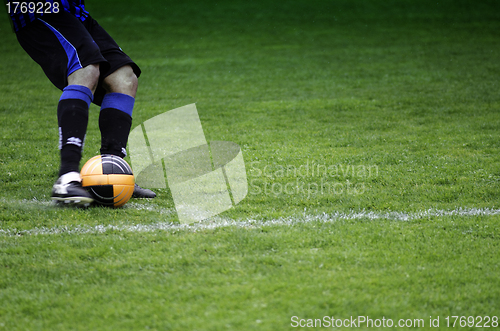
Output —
(218, 222)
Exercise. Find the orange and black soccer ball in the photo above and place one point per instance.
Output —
(109, 179)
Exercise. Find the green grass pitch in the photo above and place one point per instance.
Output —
(370, 133)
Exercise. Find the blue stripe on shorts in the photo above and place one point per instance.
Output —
(73, 60)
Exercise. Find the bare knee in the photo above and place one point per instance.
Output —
(123, 80)
(87, 76)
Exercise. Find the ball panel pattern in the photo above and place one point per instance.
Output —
(92, 167)
(109, 179)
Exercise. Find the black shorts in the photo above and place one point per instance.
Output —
(61, 44)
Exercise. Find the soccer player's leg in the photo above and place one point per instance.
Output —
(116, 95)
(72, 118)
(115, 118)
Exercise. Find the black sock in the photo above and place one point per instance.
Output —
(115, 128)
(72, 117)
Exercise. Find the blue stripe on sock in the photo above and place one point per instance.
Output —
(77, 92)
(119, 101)
(73, 60)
